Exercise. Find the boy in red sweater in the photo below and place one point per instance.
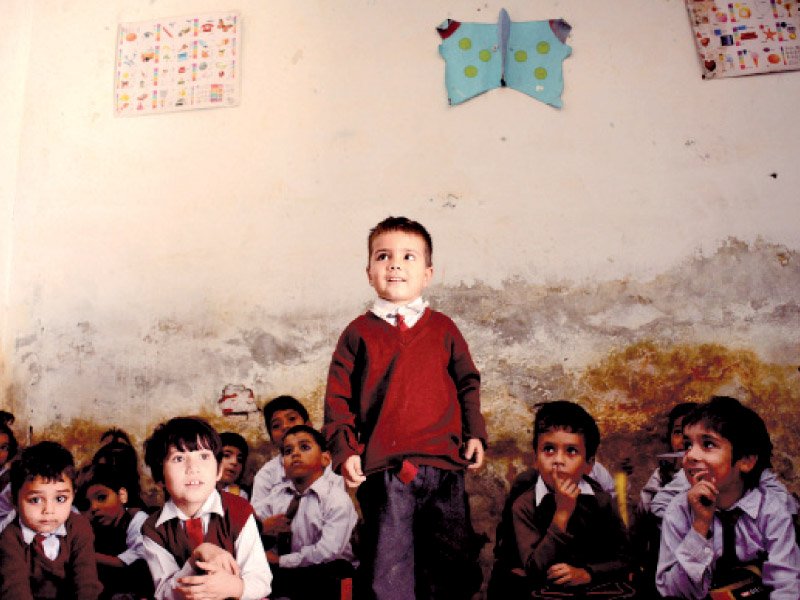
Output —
(402, 417)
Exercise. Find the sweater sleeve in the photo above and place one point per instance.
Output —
(14, 582)
(341, 412)
(82, 560)
(467, 380)
(539, 546)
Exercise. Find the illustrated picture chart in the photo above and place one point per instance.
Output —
(179, 63)
(745, 38)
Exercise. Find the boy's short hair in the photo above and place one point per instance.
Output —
(230, 438)
(284, 403)
(562, 415)
(48, 460)
(98, 474)
(186, 434)
(741, 426)
(13, 446)
(318, 437)
(406, 226)
(678, 411)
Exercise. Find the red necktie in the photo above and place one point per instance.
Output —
(401, 323)
(194, 531)
(39, 539)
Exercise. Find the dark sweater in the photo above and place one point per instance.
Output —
(27, 574)
(396, 395)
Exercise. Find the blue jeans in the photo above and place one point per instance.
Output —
(417, 540)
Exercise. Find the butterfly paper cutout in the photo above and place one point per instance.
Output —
(525, 56)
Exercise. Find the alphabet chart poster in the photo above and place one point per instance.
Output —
(180, 63)
(746, 37)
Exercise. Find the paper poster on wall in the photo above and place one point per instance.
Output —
(745, 38)
(179, 63)
(525, 56)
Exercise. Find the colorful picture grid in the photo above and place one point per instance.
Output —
(179, 63)
(745, 38)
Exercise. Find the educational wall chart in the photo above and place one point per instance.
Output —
(179, 63)
(525, 56)
(745, 38)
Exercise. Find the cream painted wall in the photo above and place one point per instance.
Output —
(235, 224)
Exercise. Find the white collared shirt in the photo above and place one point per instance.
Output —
(412, 312)
(541, 490)
(51, 543)
(248, 553)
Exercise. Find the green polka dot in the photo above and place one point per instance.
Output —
(485, 55)
(540, 73)
(465, 43)
(471, 71)
(543, 47)
(520, 56)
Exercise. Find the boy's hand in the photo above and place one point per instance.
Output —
(474, 452)
(702, 497)
(208, 557)
(564, 574)
(276, 524)
(273, 557)
(352, 473)
(214, 585)
(566, 495)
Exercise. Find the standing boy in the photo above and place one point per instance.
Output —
(202, 543)
(402, 417)
(568, 533)
(726, 521)
(314, 555)
(48, 551)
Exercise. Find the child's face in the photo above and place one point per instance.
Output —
(4, 443)
(106, 506)
(563, 452)
(281, 422)
(676, 435)
(231, 465)
(45, 505)
(190, 476)
(709, 457)
(397, 268)
(303, 459)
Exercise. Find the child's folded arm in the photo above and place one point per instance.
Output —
(164, 569)
(337, 528)
(134, 540)
(781, 569)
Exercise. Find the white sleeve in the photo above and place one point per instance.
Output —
(252, 561)
(134, 540)
(164, 570)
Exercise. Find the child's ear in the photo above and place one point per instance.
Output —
(747, 463)
(326, 459)
(123, 495)
(587, 468)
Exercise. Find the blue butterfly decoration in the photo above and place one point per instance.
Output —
(525, 56)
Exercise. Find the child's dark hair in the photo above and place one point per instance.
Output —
(678, 412)
(98, 474)
(406, 226)
(284, 403)
(48, 460)
(316, 435)
(562, 415)
(229, 438)
(741, 426)
(186, 434)
(7, 418)
(115, 434)
(12, 440)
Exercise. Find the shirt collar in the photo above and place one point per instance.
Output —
(541, 490)
(28, 534)
(213, 504)
(387, 311)
(749, 503)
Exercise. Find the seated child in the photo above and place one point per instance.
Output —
(234, 459)
(48, 551)
(8, 450)
(568, 533)
(202, 542)
(725, 520)
(280, 414)
(117, 450)
(118, 544)
(312, 552)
